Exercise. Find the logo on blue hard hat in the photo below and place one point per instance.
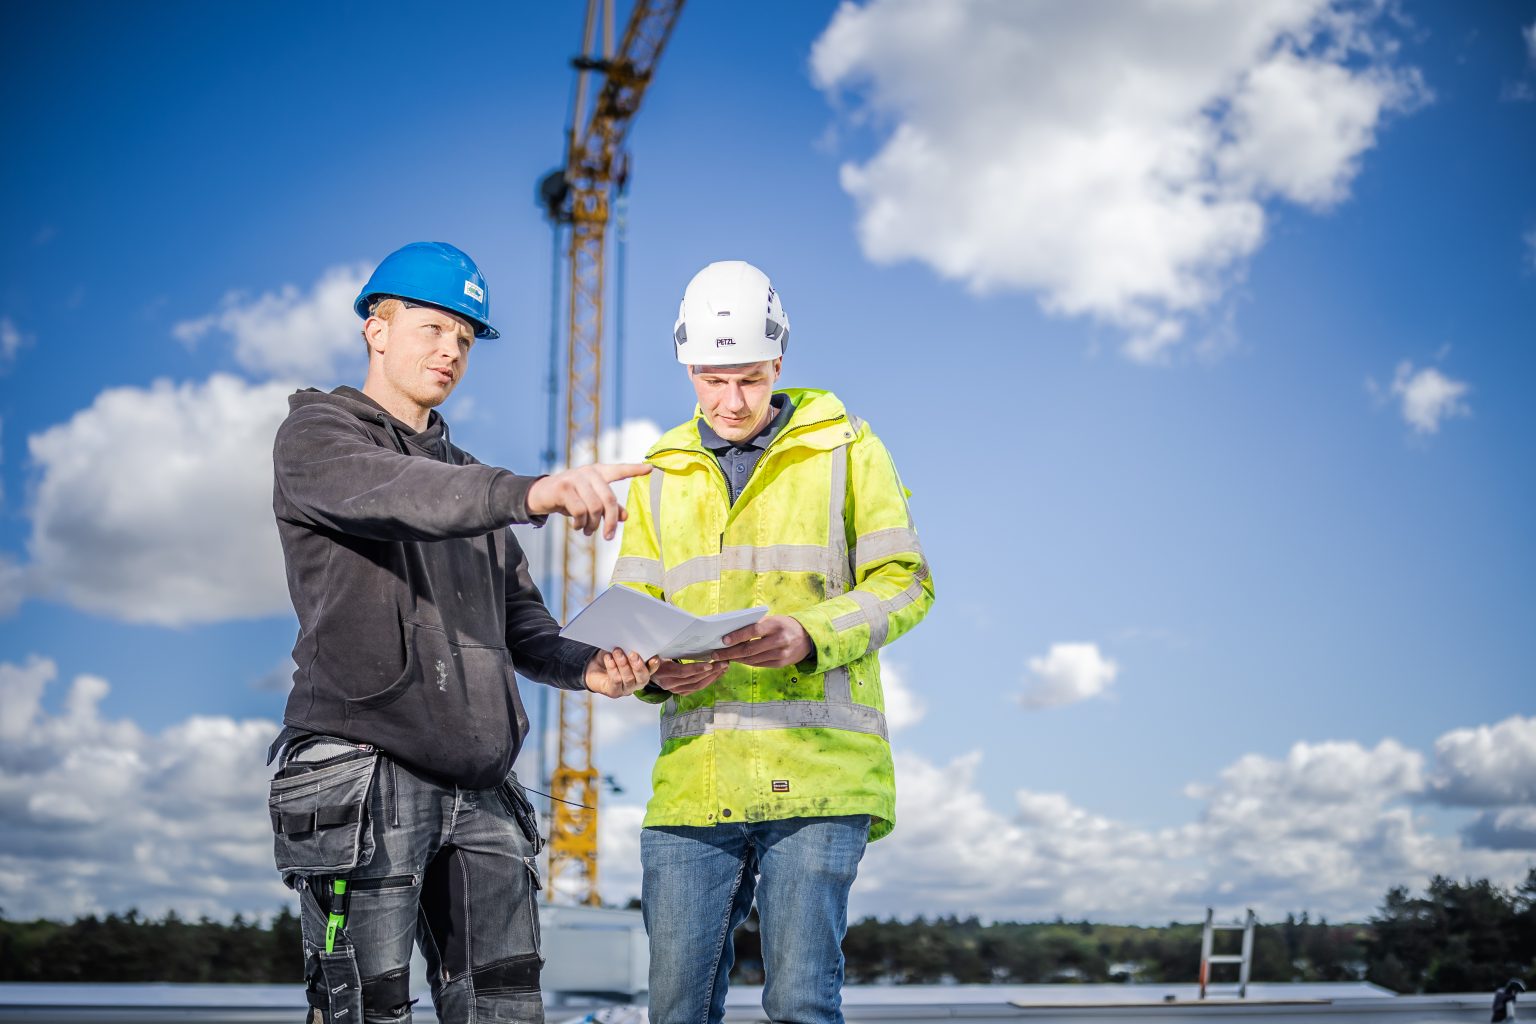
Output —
(474, 291)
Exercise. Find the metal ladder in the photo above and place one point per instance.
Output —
(1244, 960)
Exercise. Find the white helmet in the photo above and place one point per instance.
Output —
(730, 314)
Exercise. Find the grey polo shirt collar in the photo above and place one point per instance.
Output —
(783, 410)
(738, 458)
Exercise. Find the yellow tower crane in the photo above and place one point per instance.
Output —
(579, 195)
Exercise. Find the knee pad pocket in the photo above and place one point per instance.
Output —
(514, 974)
(388, 995)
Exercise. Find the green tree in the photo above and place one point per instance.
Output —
(1470, 936)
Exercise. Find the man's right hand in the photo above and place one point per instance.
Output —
(585, 494)
(675, 677)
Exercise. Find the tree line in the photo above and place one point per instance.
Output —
(1467, 936)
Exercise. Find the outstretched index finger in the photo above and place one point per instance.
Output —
(611, 471)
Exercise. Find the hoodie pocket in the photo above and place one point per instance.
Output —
(451, 714)
(438, 665)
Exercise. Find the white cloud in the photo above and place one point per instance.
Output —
(615, 720)
(1324, 821)
(1529, 35)
(21, 691)
(291, 333)
(1117, 167)
(1300, 126)
(155, 504)
(99, 815)
(618, 851)
(1334, 774)
(1428, 397)
(11, 341)
(279, 678)
(1066, 674)
(1329, 827)
(1487, 766)
(1513, 828)
(953, 852)
(13, 584)
(903, 706)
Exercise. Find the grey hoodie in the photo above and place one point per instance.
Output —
(415, 602)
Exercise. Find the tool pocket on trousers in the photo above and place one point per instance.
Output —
(531, 905)
(320, 817)
(522, 810)
(343, 987)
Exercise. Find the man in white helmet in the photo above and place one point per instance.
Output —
(775, 767)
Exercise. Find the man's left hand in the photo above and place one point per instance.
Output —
(773, 642)
(619, 673)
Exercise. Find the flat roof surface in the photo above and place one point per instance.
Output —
(914, 1004)
(1085, 995)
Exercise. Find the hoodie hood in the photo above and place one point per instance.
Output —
(430, 440)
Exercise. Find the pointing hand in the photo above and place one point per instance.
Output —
(585, 494)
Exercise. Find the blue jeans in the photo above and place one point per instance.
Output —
(450, 869)
(699, 884)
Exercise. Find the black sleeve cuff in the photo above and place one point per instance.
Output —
(509, 498)
(574, 656)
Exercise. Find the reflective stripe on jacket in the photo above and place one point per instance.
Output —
(821, 532)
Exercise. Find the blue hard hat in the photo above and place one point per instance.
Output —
(434, 273)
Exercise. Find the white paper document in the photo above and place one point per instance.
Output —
(626, 618)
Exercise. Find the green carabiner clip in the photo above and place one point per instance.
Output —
(338, 916)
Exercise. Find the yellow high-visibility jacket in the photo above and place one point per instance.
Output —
(821, 532)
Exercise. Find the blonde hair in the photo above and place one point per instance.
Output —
(385, 309)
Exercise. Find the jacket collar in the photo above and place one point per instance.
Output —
(819, 421)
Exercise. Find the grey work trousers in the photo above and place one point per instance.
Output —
(451, 869)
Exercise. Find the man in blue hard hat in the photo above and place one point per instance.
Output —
(395, 809)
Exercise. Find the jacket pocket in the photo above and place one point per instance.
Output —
(320, 818)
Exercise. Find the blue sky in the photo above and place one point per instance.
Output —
(1202, 340)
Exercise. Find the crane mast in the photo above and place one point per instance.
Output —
(580, 195)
